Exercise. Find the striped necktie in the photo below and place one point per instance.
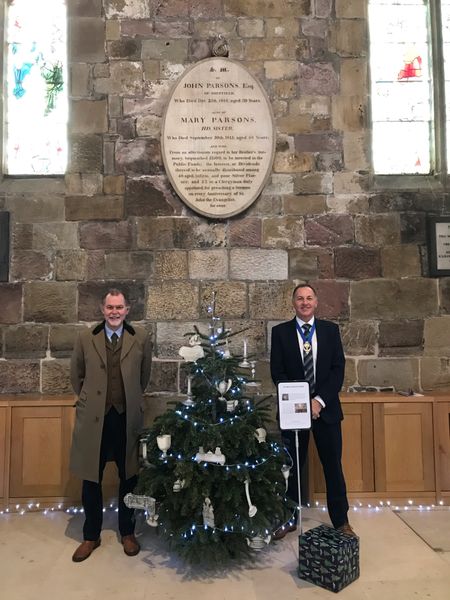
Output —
(308, 361)
(114, 339)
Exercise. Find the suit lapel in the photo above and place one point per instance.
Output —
(127, 344)
(294, 348)
(99, 345)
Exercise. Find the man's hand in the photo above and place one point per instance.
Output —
(316, 407)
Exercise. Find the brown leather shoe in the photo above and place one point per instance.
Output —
(347, 529)
(282, 531)
(130, 545)
(85, 549)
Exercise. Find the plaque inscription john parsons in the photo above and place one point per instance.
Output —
(218, 138)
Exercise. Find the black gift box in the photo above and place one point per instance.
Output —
(328, 558)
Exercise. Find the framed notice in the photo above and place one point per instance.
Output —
(218, 137)
(439, 246)
(294, 405)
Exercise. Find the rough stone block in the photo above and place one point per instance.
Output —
(79, 80)
(355, 147)
(333, 299)
(173, 300)
(87, 39)
(199, 9)
(254, 331)
(281, 69)
(114, 184)
(62, 339)
(94, 208)
(349, 37)
(283, 232)
(329, 230)
(106, 235)
(245, 232)
(444, 294)
(280, 184)
(359, 338)
(148, 196)
(122, 9)
(148, 125)
(113, 30)
(49, 302)
(212, 28)
(258, 264)
(86, 154)
(401, 261)
(56, 376)
(175, 50)
(318, 142)
(11, 302)
(125, 78)
(141, 156)
(208, 264)
(25, 341)
(36, 209)
(400, 337)
(349, 113)
(413, 228)
(231, 299)
(436, 336)
(353, 79)
(348, 204)
(129, 265)
(434, 373)
(357, 263)
(318, 79)
(88, 116)
(271, 300)
(167, 232)
(95, 265)
(401, 373)
(70, 265)
(90, 295)
(313, 183)
(293, 162)
(269, 49)
(84, 8)
(19, 376)
(303, 264)
(301, 204)
(315, 28)
(170, 264)
(351, 9)
(55, 236)
(125, 49)
(350, 377)
(267, 8)
(164, 376)
(250, 28)
(350, 183)
(173, 29)
(377, 230)
(401, 299)
(28, 264)
(282, 28)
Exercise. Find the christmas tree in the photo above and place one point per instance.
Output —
(212, 481)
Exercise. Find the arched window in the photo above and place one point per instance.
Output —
(36, 99)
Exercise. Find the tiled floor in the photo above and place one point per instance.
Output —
(396, 563)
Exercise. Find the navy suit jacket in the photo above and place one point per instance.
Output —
(286, 363)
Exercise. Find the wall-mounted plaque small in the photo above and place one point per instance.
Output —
(218, 137)
(439, 246)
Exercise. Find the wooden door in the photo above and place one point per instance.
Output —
(404, 454)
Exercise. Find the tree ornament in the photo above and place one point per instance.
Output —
(164, 442)
(252, 510)
(286, 470)
(258, 542)
(208, 513)
(179, 485)
(223, 388)
(194, 351)
(231, 405)
(260, 434)
(216, 457)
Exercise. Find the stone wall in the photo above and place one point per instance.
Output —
(114, 218)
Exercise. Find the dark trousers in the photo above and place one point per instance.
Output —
(328, 439)
(113, 445)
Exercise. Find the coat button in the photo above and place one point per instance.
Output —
(98, 392)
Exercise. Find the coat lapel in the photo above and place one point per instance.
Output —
(99, 345)
(127, 344)
(294, 346)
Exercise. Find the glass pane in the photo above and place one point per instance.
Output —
(36, 88)
(401, 147)
(401, 87)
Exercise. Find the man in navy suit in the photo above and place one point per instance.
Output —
(310, 349)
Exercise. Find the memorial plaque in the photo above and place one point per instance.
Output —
(439, 246)
(218, 138)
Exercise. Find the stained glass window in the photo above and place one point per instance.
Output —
(401, 87)
(36, 88)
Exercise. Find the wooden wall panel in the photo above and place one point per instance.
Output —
(3, 451)
(443, 449)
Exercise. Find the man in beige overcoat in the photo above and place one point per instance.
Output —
(110, 369)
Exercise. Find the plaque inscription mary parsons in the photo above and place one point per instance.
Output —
(218, 138)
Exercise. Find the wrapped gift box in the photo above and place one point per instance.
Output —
(328, 558)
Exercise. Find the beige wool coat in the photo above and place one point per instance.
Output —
(89, 381)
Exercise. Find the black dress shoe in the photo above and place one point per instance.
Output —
(130, 545)
(347, 529)
(282, 531)
(85, 549)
